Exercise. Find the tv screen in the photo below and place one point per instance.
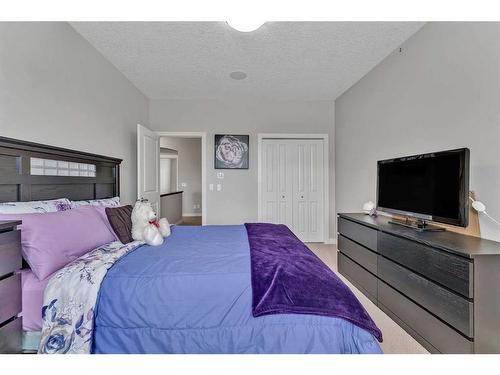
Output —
(432, 186)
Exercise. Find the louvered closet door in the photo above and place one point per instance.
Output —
(292, 186)
(276, 183)
(308, 194)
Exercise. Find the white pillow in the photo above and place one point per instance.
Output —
(108, 202)
(54, 205)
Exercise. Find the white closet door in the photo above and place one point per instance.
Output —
(276, 189)
(292, 190)
(308, 191)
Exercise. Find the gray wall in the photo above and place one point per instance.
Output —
(57, 89)
(189, 170)
(237, 203)
(441, 92)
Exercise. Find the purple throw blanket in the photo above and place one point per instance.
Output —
(288, 278)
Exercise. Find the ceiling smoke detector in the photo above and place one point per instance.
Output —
(238, 75)
(245, 26)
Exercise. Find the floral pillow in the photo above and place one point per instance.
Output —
(108, 202)
(31, 207)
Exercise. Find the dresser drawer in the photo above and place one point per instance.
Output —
(11, 337)
(436, 333)
(358, 253)
(10, 297)
(447, 269)
(358, 233)
(448, 306)
(357, 275)
(10, 252)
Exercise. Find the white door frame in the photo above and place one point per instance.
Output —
(153, 196)
(203, 136)
(326, 167)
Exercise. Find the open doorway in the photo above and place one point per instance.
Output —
(182, 177)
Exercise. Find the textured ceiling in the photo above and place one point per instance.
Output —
(283, 60)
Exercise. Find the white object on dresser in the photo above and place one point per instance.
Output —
(481, 208)
(368, 207)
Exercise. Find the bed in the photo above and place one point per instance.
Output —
(196, 293)
(18, 184)
(186, 298)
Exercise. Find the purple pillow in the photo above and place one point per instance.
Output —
(52, 240)
(120, 219)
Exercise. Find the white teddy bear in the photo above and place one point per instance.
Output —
(146, 227)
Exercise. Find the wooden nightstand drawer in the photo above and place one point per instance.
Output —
(10, 252)
(11, 336)
(10, 297)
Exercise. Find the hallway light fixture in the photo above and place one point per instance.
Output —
(245, 25)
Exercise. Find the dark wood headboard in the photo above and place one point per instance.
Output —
(17, 184)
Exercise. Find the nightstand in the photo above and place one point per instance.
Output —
(10, 287)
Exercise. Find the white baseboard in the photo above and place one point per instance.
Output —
(331, 241)
(186, 214)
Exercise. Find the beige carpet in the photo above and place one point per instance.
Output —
(396, 340)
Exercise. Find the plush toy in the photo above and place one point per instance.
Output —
(146, 227)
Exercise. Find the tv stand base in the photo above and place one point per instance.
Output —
(419, 225)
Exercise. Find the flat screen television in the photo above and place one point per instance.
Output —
(433, 186)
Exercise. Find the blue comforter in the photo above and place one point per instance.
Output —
(193, 295)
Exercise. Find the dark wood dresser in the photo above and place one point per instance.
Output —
(443, 288)
(10, 287)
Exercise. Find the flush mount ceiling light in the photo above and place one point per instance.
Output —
(238, 75)
(245, 25)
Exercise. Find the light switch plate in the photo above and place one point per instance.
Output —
(220, 175)
(211, 187)
(219, 187)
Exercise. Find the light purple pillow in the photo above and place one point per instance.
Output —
(102, 212)
(52, 240)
